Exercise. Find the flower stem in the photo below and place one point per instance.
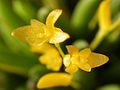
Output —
(101, 34)
(57, 45)
(75, 85)
(98, 38)
(115, 25)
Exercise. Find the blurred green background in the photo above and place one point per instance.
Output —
(20, 68)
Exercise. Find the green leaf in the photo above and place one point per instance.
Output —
(34, 75)
(16, 63)
(82, 14)
(85, 80)
(8, 22)
(7, 14)
(42, 13)
(24, 9)
(115, 7)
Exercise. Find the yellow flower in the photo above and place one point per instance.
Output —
(51, 59)
(85, 59)
(105, 23)
(54, 80)
(50, 56)
(104, 15)
(38, 33)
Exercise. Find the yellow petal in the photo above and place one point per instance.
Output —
(54, 80)
(75, 59)
(52, 17)
(84, 54)
(32, 36)
(96, 60)
(35, 24)
(71, 69)
(66, 60)
(84, 66)
(51, 59)
(20, 33)
(72, 49)
(42, 49)
(104, 15)
(58, 36)
(42, 28)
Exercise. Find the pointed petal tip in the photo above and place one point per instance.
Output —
(89, 70)
(59, 37)
(96, 60)
(53, 17)
(67, 36)
(107, 58)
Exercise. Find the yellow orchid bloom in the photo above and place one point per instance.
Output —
(38, 33)
(85, 59)
(51, 59)
(105, 23)
(50, 56)
(54, 80)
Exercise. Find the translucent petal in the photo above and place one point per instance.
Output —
(32, 36)
(42, 49)
(84, 66)
(58, 36)
(54, 80)
(71, 69)
(66, 60)
(52, 17)
(72, 49)
(35, 24)
(96, 60)
(84, 54)
(42, 28)
(35, 38)
(20, 33)
(104, 15)
(51, 59)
